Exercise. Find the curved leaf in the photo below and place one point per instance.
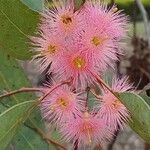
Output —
(25, 141)
(140, 114)
(11, 120)
(17, 23)
(12, 77)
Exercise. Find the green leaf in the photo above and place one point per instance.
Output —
(78, 4)
(36, 5)
(140, 114)
(145, 97)
(108, 77)
(12, 77)
(27, 138)
(17, 23)
(11, 120)
(25, 141)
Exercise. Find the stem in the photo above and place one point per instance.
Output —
(20, 91)
(87, 97)
(97, 96)
(44, 136)
(110, 146)
(103, 84)
(75, 145)
(54, 88)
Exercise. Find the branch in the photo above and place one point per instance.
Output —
(145, 19)
(54, 88)
(97, 96)
(110, 146)
(21, 91)
(104, 85)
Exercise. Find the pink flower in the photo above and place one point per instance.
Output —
(76, 64)
(101, 48)
(49, 49)
(86, 129)
(109, 20)
(102, 33)
(112, 110)
(61, 105)
(62, 19)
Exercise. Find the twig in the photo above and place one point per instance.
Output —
(55, 87)
(21, 91)
(103, 84)
(97, 96)
(43, 135)
(87, 97)
(145, 19)
(75, 145)
(110, 146)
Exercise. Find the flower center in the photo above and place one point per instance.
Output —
(97, 41)
(79, 62)
(66, 20)
(52, 49)
(116, 104)
(62, 102)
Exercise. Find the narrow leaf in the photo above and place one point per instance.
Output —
(17, 23)
(140, 114)
(11, 120)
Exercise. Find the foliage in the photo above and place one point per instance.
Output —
(15, 115)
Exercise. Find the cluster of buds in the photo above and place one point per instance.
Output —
(82, 45)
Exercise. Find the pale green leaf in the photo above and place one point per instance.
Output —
(140, 114)
(11, 120)
(36, 5)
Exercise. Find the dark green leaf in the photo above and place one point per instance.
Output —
(25, 141)
(140, 114)
(145, 97)
(11, 120)
(12, 77)
(17, 23)
(78, 4)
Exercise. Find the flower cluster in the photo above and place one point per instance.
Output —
(81, 45)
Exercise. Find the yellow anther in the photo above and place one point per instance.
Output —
(52, 49)
(66, 19)
(79, 62)
(97, 41)
(116, 104)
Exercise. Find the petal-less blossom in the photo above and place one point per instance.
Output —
(62, 18)
(101, 48)
(75, 64)
(103, 30)
(61, 105)
(49, 48)
(112, 110)
(110, 20)
(87, 129)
